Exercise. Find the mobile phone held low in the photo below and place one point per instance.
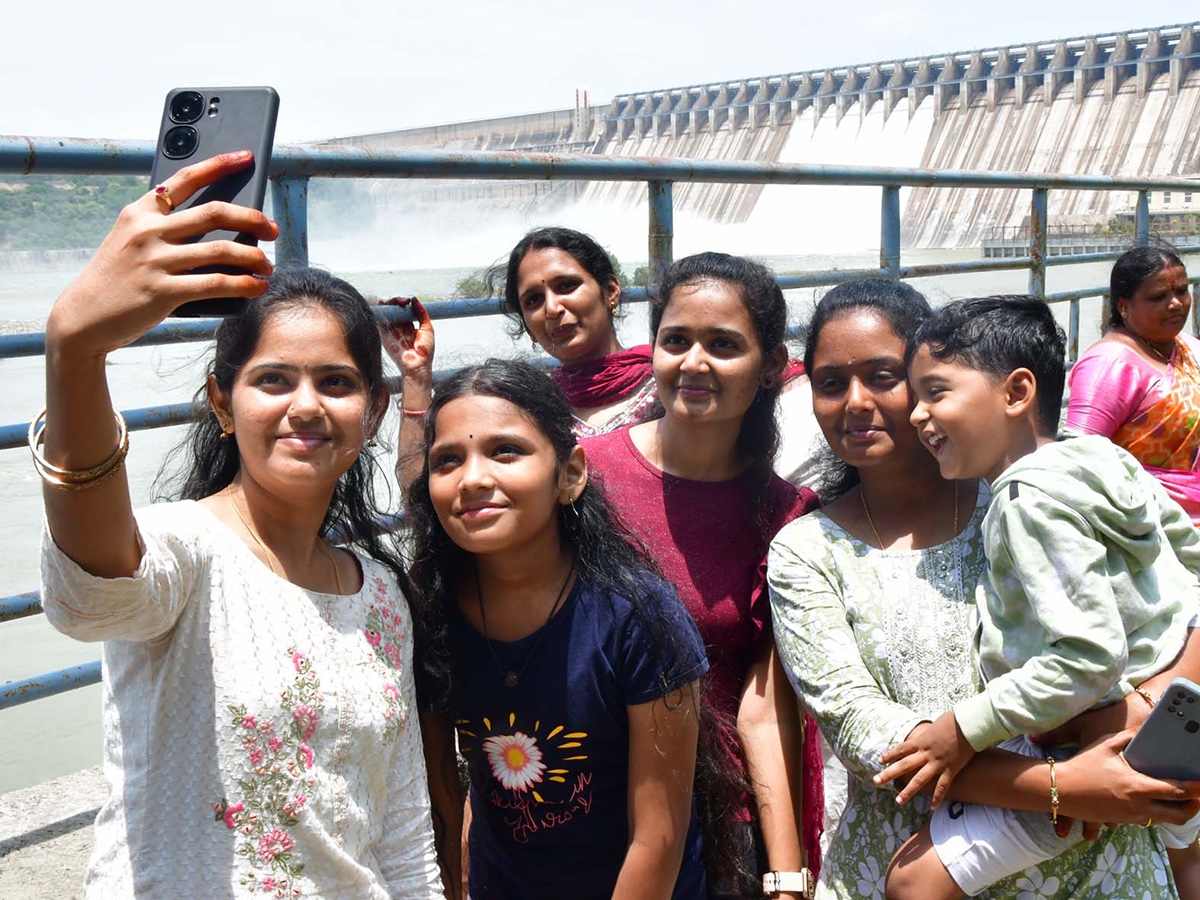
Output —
(1168, 743)
(199, 123)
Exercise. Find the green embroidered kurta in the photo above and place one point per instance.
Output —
(876, 641)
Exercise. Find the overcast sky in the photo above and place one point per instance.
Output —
(92, 68)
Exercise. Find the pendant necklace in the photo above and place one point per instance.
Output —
(513, 678)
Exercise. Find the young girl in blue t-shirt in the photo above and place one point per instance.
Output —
(571, 672)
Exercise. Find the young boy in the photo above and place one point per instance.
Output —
(1091, 586)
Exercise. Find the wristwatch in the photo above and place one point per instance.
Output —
(801, 882)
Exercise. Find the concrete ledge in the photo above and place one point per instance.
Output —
(46, 836)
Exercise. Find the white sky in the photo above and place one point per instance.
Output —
(91, 68)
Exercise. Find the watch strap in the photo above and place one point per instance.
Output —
(801, 882)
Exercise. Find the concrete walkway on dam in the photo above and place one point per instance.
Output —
(46, 836)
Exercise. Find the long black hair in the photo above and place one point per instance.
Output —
(1130, 270)
(607, 559)
(583, 248)
(904, 309)
(207, 464)
(758, 438)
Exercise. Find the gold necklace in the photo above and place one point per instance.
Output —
(1149, 346)
(337, 575)
(862, 495)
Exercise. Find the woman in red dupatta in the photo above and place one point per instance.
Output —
(560, 289)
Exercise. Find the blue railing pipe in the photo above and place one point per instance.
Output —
(661, 245)
(289, 206)
(26, 690)
(20, 155)
(1037, 243)
(889, 231)
(1142, 219)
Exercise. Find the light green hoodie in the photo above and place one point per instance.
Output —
(1091, 586)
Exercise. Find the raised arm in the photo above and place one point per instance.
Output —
(136, 279)
(411, 346)
(663, 737)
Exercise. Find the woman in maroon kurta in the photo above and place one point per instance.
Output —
(697, 489)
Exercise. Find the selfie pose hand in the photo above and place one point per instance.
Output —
(141, 271)
(137, 277)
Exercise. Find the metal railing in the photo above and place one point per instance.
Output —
(292, 167)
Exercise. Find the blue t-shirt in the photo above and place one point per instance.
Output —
(549, 758)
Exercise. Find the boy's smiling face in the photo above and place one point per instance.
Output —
(960, 416)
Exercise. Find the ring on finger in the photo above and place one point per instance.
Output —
(162, 194)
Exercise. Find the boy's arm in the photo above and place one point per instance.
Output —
(935, 752)
(1053, 606)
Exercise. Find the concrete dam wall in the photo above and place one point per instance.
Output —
(1123, 104)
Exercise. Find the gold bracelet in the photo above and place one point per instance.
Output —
(76, 479)
(1145, 695)
(1053, 792)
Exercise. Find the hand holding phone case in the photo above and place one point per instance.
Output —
(1168, 743)
(199, 123)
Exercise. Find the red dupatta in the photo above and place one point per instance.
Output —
(605, 380)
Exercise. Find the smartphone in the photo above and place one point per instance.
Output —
(198, 123)
(1168, 743)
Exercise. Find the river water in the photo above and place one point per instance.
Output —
(52, 737)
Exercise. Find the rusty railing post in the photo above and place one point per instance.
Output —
(289, 205)
(1037, 244)
(889, 231)
(662, 230)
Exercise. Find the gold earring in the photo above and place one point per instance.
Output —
(613, 308)
(226, 435)
(533, 342)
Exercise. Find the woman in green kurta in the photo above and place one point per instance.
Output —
(874, 608)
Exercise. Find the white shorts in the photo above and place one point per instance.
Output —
(980, 845)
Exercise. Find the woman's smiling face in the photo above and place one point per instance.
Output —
(707, 359)
(299, 407)
(860, 394)
(564, 308)
(494, 480)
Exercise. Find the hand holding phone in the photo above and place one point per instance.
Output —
(198, 124)
(1168, 743)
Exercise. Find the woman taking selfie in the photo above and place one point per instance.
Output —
(698, 489)
(572, 668)
(1140, 384)
(260, 727)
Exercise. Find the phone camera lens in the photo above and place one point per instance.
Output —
(181, 141)
(186, 106)
(1192, 727)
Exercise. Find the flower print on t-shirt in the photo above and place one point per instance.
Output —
(537, 773)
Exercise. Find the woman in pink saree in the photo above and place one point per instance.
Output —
(1140, 384)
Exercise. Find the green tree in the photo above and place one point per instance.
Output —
(474, 285)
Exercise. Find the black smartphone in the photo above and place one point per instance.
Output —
(199, 123)
(1168, 743)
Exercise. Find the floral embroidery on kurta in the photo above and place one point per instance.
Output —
(274, 795)
(384, 634)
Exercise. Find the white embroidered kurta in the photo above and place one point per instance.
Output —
(260, 740)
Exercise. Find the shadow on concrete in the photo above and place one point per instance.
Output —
(48, 832)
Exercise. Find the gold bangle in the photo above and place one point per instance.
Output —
(1053, 792)
(1145, 695)
(76, 479)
